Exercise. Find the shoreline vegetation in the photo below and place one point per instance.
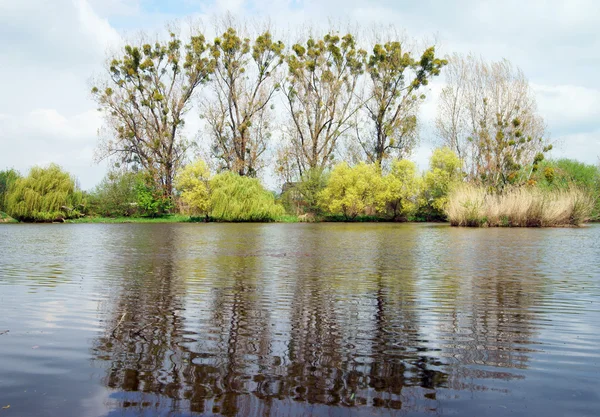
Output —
(336, 116)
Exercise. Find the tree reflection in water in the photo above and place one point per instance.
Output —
(244, 320)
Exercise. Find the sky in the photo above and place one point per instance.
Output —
(49, 50)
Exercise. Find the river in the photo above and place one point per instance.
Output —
(298, 320)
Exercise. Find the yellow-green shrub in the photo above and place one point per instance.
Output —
(46, 194)
(445, 173)
(234, 198)
(351, 190)
(400, 190)
(193, 184)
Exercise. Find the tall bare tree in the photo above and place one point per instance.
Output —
(394, 83)
(144, 95)
(323, 76)
(488, 115)
(239, 113)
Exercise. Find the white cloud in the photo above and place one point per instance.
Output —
(568, 107)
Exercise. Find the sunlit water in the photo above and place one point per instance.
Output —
(302, 319)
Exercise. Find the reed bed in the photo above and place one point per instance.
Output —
(474, 206)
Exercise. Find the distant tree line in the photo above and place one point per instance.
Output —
(336, 119)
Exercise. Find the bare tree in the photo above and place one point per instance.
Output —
(488, 115)
(238, 113)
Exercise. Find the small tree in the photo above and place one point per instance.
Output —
(351, 190)
(401, 189)
(236, 198)
(445, 173)
(193, 184)
(46, 194)
(115, 195)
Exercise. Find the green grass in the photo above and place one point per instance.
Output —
(5, 218)
(287, 218)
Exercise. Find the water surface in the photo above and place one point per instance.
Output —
(298, 320)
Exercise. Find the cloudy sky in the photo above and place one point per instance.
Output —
(49, 49)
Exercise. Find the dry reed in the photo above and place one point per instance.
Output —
(474, 206)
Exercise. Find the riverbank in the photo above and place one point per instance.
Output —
(5, 218)
(179, 218)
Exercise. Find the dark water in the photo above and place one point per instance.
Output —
(298, 320)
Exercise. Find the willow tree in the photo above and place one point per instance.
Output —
(395, 80)
(488, 115)
(238, 113)
(145, 94)
(323, 77)
(46, 194)
(7, 178)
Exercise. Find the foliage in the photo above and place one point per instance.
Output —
(394, 79)
(193, 184)
(7, 178)
(445, 173)
(150, 199)
(145, 94)
(323, 76)
(350, 191)
(311, 184)
(238, 114)
(526, 206)
(566, 173)
(234, 198)
(116, 195)
(46, 194)
(400, 190)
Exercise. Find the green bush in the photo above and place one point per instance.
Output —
(115, 196)
(401, 190)
(6, 179)
(193, 185)
(234, 198)
(445, 174)
(46, 194)
(563, 174)
(352, 191)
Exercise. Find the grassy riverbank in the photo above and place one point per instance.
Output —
(5, 218)
(179, 218)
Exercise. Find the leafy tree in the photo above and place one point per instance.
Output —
(116, 195)
(400, 189)
(238, 115)
(394, 82)
(7, 178)
(150, 199)
(234, 198)
(352, 190)
(46, 194)
(145, 94)
(488, 116)
(323, 76)
(193, 184)
(445, 173)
